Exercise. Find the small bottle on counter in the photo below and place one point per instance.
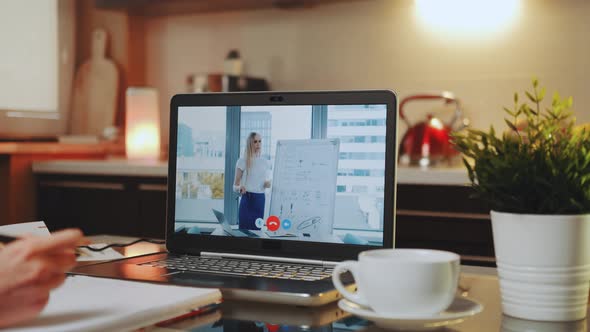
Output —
(233, 65)
(196, 83)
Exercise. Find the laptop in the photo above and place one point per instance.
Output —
(227, 228)
(338, 199)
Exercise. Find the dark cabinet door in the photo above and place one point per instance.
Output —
(103, 205)
(96, 207)
(446, 218)
(466, 236)
(53, 209)
(152, 210)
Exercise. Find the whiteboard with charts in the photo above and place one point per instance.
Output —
(304, 185)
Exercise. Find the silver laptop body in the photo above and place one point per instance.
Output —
(325, 202)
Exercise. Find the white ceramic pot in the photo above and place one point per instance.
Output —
(543, 265)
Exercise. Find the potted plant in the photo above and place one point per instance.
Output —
(536, 178)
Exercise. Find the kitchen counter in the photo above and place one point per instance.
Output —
(112, 167)
(13, 148)
(456, 176)
(123, 167)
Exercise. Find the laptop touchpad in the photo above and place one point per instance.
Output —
(206, 279)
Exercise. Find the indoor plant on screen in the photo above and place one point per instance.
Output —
(536, 178)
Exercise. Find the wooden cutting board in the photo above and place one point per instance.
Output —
(94, 96)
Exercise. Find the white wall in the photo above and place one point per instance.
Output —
(381, 44)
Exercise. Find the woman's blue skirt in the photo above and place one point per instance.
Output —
(251, 208)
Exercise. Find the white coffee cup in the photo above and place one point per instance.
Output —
(409, 282)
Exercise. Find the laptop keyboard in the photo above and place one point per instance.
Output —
(241, 267)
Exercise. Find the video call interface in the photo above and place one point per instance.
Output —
(305, 173)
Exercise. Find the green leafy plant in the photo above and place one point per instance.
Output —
(539, 165)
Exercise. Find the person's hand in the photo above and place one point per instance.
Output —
(242, 190)
(31, 267)
(267, 184)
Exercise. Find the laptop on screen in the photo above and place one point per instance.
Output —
(267, 191)
(227, 227)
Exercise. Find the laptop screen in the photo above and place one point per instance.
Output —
(290, 172)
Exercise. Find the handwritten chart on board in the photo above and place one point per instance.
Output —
(304, 184)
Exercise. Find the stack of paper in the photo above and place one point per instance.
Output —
(96, 304)
(40, 229)
(34, 228)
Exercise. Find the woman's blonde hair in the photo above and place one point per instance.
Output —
(249, 152)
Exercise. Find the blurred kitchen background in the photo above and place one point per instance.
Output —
(372, 44)
(482, 51)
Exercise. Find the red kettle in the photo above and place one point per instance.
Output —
(428, 143)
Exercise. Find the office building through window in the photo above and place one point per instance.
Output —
(259, 122)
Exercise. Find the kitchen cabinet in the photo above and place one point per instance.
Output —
(176, 7)
(17, 184)
(444, 217)
(119, 205)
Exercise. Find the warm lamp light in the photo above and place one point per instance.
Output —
(467, 17)
(142, 123)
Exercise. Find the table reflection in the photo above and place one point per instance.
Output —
(477, 283)
(236, 316)
(511, 324)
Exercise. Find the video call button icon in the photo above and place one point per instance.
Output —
(273, 223)
(286, 224)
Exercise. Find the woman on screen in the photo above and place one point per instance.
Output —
(252, 177)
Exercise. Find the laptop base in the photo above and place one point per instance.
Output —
(292, 292)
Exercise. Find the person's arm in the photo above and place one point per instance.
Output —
(267, 176)
(31, 267)
(238, 188)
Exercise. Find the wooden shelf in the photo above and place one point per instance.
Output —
(183, 7)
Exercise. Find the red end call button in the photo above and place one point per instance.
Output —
(273, 223)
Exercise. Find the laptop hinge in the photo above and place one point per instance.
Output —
(269, 258)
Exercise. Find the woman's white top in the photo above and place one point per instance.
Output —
(254, 179)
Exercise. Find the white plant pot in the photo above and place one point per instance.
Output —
(543, 265)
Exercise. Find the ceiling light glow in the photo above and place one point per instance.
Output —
(467, 16)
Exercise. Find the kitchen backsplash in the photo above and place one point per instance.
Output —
(381, 44)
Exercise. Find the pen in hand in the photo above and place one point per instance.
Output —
(6, 239)
(32, 266)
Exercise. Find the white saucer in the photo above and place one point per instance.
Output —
(460, 309)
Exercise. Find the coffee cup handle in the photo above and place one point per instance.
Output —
(351, 266)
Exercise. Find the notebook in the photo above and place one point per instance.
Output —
(317, 166)
(97, 304)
